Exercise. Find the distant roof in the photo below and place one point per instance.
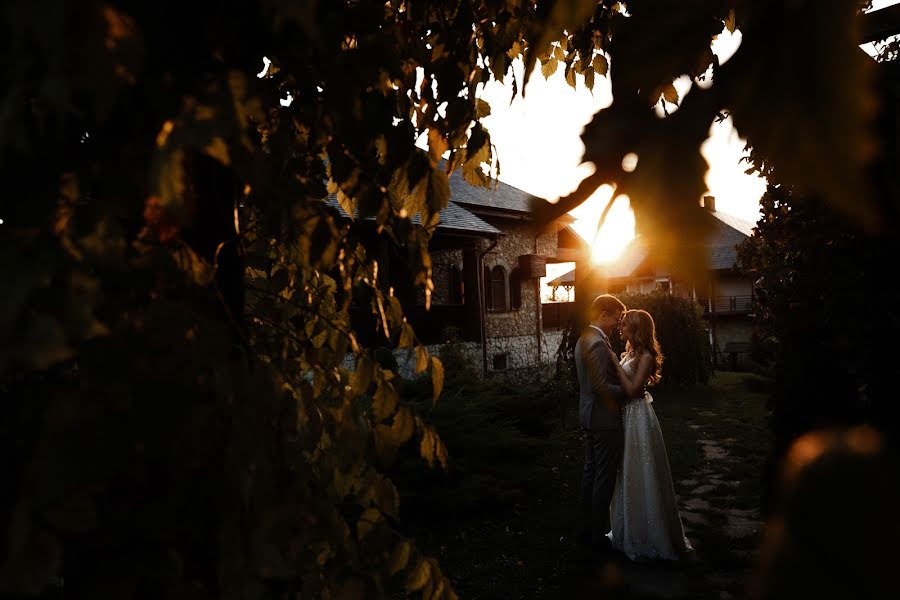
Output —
(567, 278)
(721, 242)
(453, 218)
(500, 196)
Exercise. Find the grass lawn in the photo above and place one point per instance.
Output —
(502, 522)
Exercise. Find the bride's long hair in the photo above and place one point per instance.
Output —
(643, 339)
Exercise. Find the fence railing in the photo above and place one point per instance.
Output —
(734, 305)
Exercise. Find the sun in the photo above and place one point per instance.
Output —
(617, 231)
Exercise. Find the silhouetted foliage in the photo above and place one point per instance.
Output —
(178, 415)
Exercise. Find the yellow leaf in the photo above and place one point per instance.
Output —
(403, 426)
(437, 145)
(347, 203)
(421, 358)
(399, 557)
(437, 376)
(418, 577)
(385, 401)
(407, 336)
(670, 94)
(219, 151)
(426, 447)
(559, 53)
(367, 522)
(164, 132)
(600, 64)
(730, 24)
(548, 67)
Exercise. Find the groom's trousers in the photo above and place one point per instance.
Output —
(602, 457)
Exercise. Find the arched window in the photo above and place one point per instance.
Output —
(488, 289)
(515, 289)
(498, 287)
(455, 291)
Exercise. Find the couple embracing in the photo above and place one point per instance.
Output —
(627, 492)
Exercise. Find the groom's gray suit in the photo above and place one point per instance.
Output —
(600, 414)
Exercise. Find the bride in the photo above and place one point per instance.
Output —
(644, 512)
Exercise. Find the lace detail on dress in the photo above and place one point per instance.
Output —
(644, 511)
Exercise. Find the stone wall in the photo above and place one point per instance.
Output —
(517, 334)
(441, 262)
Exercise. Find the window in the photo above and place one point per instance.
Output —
(515, 289)
(488, 290)
(498, 287)
(500, 362)
(455, 291)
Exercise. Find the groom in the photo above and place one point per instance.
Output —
(600, 414)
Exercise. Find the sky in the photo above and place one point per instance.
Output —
(539, 147)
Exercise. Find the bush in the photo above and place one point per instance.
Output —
(682, 334)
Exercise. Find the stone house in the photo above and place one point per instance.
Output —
(488, 256)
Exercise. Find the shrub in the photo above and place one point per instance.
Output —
(682, 334)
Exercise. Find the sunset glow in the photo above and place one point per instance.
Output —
(616, 232)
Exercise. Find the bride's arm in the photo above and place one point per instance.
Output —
(634, 387)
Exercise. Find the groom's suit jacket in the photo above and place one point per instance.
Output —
(600, 395)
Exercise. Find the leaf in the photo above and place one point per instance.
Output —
(399, 557)
(482, 108)
(362, 375)
(438, 197)
(407, 336)
(347, 203)
(432, 448)
(437, 145)
(403, 426)
(730, 24)
(366, 522)
(670, 94)
(600, 64)
(570, 77)
(814, 129)
(589, 78)
(218, 150)
(384, 402)
(421, 358)
(419, 576)
(437, 376)
(548, 67)
(559, 53)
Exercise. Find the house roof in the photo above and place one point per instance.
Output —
(453, 219)
(500, 196)
(721, 246)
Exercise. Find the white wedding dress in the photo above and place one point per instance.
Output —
(644, 512)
